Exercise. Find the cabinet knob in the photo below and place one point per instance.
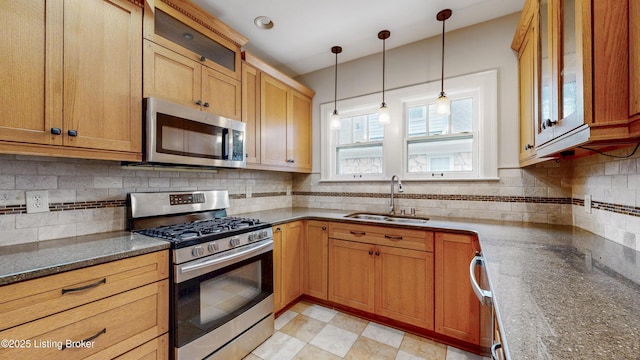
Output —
(370, 252)
(377, 253)
(202, 58)
(199, 102)
(290, 161)
(528, 147)
(56, 131)
(324, 228)
(206, 104)
(548, 123)
(72, 133)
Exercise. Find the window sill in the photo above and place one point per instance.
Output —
(404, 180)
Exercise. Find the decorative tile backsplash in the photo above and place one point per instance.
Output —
(88, 196)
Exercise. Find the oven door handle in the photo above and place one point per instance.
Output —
(222, 261)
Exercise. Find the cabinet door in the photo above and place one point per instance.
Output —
(545, 49)
(273, 118)
(292, 244)
(527, 70)
(278, 233)
(299, 132)
(171, 76)
(102, 67)
(404, 285)
(31, 77)
(316, 258)
(634, 58)
(457, 308)
(220, 94)
(251, 112)
(351, 277)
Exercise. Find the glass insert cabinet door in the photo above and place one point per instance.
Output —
(561, 68)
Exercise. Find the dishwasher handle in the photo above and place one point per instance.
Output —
(483, 295)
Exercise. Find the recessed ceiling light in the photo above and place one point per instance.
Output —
(263, 22)
(187, 36)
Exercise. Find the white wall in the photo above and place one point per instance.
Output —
(468, 50)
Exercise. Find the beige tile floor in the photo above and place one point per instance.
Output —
(312, 332)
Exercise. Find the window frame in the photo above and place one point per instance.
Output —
(482, 84)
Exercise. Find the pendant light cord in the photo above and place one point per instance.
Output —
(384, 41)
(442, 68)
(335, 90)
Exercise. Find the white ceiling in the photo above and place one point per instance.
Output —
(305, 30)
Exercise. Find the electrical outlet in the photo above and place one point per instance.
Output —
(587, 204)
(248, 192)
(37, 201)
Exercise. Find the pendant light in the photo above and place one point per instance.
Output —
(383, 113)
(334, 123)
(443, 104)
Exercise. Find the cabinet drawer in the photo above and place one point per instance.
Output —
(30, 300)
(115, 325)
(381, 235)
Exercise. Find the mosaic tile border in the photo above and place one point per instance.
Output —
(615, 208)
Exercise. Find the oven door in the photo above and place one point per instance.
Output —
(217, 298)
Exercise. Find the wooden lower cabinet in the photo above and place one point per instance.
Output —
(351, 279)
(457, 309)
(404, 285)
(288, 243)
(155, 349)
(102, 321)
(316, 259)
(389, 281)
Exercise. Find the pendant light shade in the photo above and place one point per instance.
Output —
(443, 104)
(383, 113)
(334, 123)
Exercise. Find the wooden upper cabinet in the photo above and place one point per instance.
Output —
(192, 58)
(282, 119)
(251, 111)
(171, 76)
(31, 96)
(585, 83)
(273, 120)
(527, 81)
(73, 79)
(299, 132)
(102, 85)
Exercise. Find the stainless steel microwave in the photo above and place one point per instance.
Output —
(178, 135)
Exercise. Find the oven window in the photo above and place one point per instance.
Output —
(211, 300)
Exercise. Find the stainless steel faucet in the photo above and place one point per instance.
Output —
(392, 209)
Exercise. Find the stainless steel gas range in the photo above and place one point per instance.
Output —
(221, 296)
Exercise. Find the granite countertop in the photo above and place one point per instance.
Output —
(560, 292)
(29, 261)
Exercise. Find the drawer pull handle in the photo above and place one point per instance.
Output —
(89, 338)
(103, 281)
(357, 233)
(393, 237)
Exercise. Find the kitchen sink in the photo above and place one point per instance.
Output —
(402, 219)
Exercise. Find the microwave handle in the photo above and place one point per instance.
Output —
(227, 144)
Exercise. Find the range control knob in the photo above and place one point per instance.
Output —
(212, 247)
(264, 234)
(235, 241)
(253, 236)
(197, 251)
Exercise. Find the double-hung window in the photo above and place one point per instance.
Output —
(418, 144)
